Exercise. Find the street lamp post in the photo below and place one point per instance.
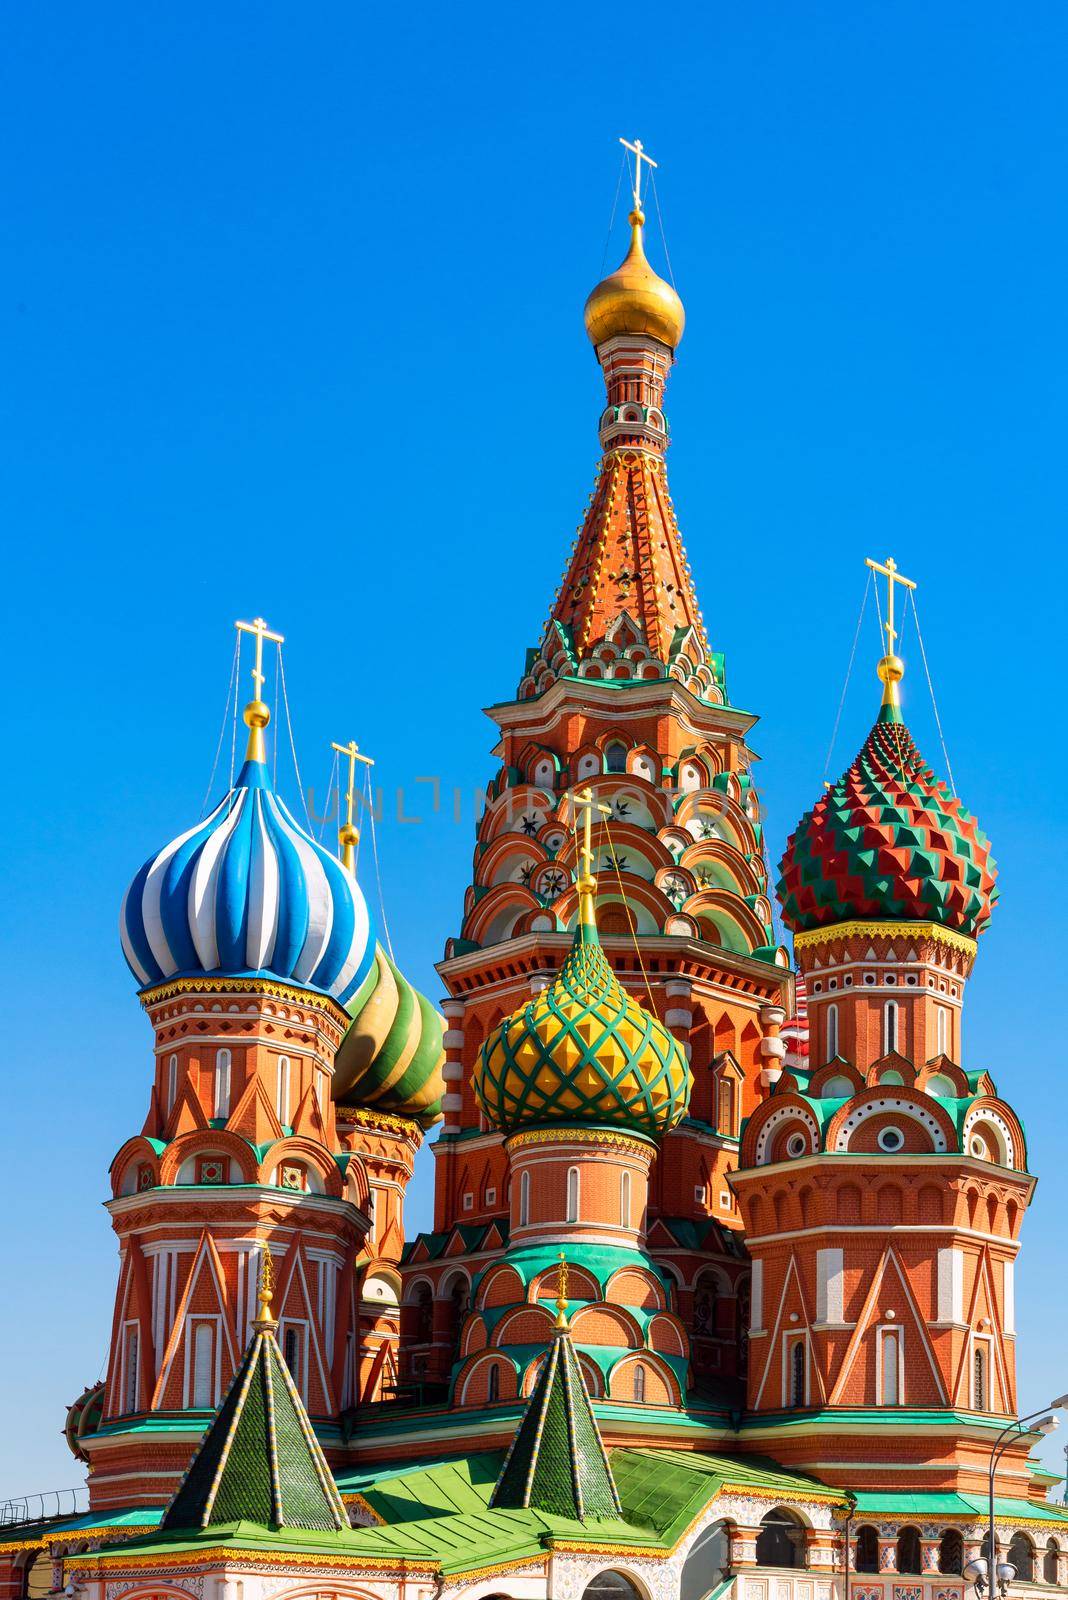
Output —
(991, 1577)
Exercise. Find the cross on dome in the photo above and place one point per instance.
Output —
(348, 836)
(891, 668)
(637, 149)
(257, 715)
(585, 804)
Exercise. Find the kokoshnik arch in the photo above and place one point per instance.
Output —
(719, 1296)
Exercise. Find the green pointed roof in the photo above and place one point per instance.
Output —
(557, 1461)
(260, 1461)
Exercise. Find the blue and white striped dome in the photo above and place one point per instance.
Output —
(247, 893)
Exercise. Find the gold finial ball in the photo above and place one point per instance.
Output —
(634, 299)
(348, 834)
(257, 714)
(891, 669)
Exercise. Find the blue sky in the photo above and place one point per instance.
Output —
(290, 307)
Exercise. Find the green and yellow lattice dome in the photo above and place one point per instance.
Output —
(583, 1051)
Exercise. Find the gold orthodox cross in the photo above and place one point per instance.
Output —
(586, 804)
(637, 150)
(260, 631)
(348, 836)
(892, 576)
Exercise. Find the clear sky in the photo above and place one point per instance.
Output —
(290, 311)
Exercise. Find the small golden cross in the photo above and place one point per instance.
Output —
(892, 576)
(348, 836)
(261, 631)
(637, 150)
(585, 805)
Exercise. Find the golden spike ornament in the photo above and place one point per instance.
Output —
(257, 714)
(265, 1292)
(891, 668)
(586, 803)
(348, 835)
(561, 1293)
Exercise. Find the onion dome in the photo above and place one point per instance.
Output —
(583, 1051)
(888, 842)
(392, 1056)
(633, 299)
(247, 893)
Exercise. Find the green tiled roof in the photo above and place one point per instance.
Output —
(260, 1461)
(557, 1461)
(973, 1506)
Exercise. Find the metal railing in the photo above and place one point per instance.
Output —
(44, 1507)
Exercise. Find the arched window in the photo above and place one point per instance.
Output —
(172, 1082)
(908, 1551)
(203, 1397)
(705, 1300)
(951, 1552)
(282, 1106)
(624, 1199)
(831, 1034)
(781, 1541)
(493, 1384)
(222, 1083)
(979, 1395)
(867, 1549)
(572, 1194)
(524, 1199)
(615, 758)
(1050, 1565)
(797, 1373)
(726, 1107)
(1022, 1556)
(611, 1586)
(705, 1566)
(890, 1034)
(424, 1325)
(639, 1382)
(942, 1030)
(291, 1349)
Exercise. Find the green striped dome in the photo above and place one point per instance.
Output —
(391, 1058)
(583, 1051)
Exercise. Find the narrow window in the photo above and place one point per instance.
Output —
(283, 1090)
(797, 1373)
(909, 1555)
(131, 1371)
(222, 1083)
(172, 1082)
(639, 1383)
(867, 1557)
(943, 1031)
(291, 1351)
(1050, 1572)
(726, 1107)
(624, 1199)
(889, 1341)
(572, 1194)
(889, 1027)
(951, 1553)
(831, 1049)
(524, 1199)
(979, 1379)
(493, 1384)
(616, 758)
(203, 1361)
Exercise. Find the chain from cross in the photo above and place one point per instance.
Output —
(586, 804)
(260, 631)
(348, 835)
(637, 150)
(892, 576)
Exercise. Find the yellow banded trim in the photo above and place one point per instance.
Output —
(890, 930)
(386, 1121)
(278, 991)
(603, 1136)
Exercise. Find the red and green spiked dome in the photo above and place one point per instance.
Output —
(888, 842)
(583, 1052)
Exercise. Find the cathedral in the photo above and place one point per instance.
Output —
(718, 1300)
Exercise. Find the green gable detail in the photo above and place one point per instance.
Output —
(260, 1461)
(557, 1461)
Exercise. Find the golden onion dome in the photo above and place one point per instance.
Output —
(633, 299)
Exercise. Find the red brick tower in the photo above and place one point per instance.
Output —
(624, 694)
(883, 1183)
